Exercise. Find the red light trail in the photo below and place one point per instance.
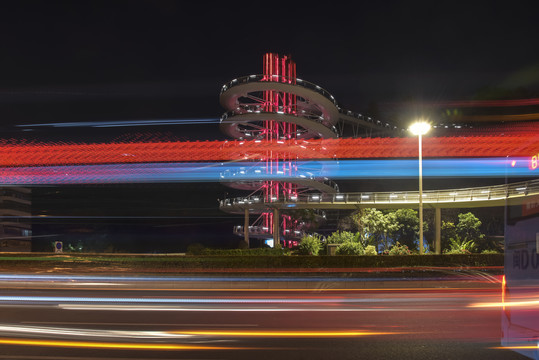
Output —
(48, 154)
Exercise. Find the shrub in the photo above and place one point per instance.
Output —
(310, 245)
(488, 251)
(457, 245)
(340, 237)
(350, 248)
(456, 252)
(370, 250)
(195, 249)
(398, 249)
(264, 251)
(78, 247)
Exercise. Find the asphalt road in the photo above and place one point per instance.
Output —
(165, 318)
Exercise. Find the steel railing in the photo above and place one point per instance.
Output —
(464, 195)
(307, 85)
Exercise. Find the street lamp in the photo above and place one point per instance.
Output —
(419, 129)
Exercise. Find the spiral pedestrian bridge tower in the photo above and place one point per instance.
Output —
(277, 107)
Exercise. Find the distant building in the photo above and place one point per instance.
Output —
(15, 225)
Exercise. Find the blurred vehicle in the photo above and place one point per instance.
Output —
(520, 292)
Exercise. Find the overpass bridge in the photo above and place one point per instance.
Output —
(525, 193)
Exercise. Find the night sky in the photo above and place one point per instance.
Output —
(92, 60)
(78, 61)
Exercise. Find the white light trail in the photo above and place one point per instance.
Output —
(100, 124)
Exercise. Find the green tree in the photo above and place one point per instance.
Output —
(408, 233)
(390, 227)
(309, 218)
(351, 222)
(378, 227)
(449, 231)
(370, 224)
(468, 229)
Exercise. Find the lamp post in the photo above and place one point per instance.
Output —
(419, 129)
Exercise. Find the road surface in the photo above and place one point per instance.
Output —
(132, 317)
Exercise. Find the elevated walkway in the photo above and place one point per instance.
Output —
(317, 113)
(487, 196)
(519, 193)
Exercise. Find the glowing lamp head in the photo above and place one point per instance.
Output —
(420, 128)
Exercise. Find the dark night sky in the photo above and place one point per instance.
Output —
(128, 60)
(92, 60)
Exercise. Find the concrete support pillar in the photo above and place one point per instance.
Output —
(276, 227)
(438, 226)
(246, 228)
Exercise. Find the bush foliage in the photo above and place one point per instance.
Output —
(398, 249)
(179, 262)
(310, 245)
(370, 250)
(385, 228)
(350, 248)
(339, 237)
(459, 245)
(246, 252)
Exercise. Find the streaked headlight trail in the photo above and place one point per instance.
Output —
(212, 172)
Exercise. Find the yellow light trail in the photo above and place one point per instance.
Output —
(306, 289)
(278, 333)
(506, 304)
(109, 345)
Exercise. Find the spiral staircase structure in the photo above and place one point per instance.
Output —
(274, 107)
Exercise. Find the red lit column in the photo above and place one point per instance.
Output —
(279, 69)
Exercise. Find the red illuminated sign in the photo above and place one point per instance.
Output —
(533, 162)
(530, 206)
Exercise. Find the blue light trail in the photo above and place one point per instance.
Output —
(244, 171)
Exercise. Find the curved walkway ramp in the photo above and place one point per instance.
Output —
(317, 113)
(487, 196)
